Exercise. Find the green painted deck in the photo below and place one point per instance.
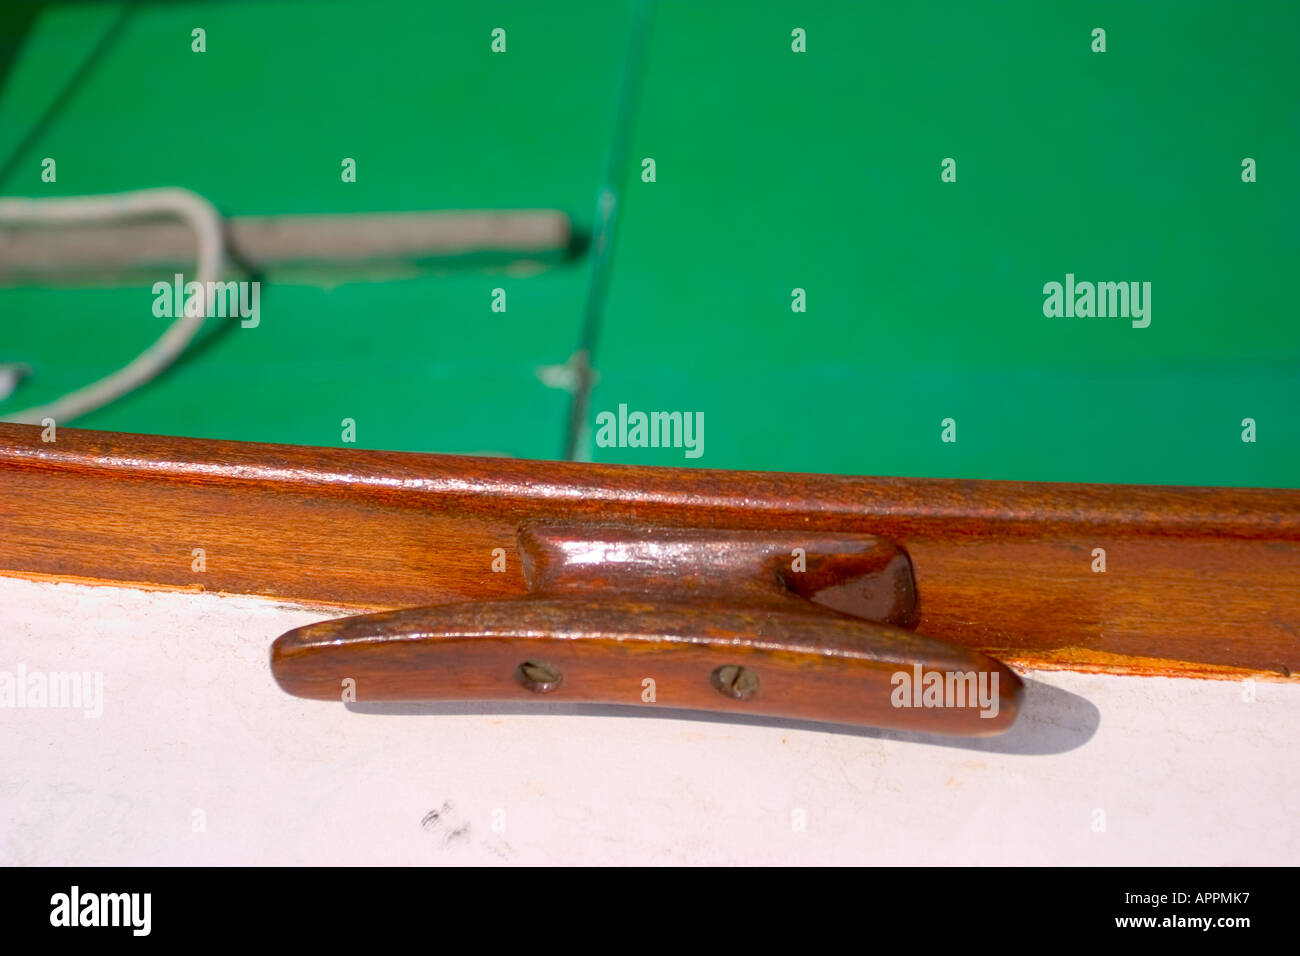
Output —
(775, 170)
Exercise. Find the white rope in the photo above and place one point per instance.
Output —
(187, 205)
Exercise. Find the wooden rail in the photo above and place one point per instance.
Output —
(1197, 581)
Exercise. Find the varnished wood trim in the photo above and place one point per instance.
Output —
(1199, 581)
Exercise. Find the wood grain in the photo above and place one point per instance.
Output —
(778, 624)
(1199, 581)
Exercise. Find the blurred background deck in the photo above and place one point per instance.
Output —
(775, 170)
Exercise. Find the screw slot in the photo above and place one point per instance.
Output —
(540, 677)
(735, 681)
